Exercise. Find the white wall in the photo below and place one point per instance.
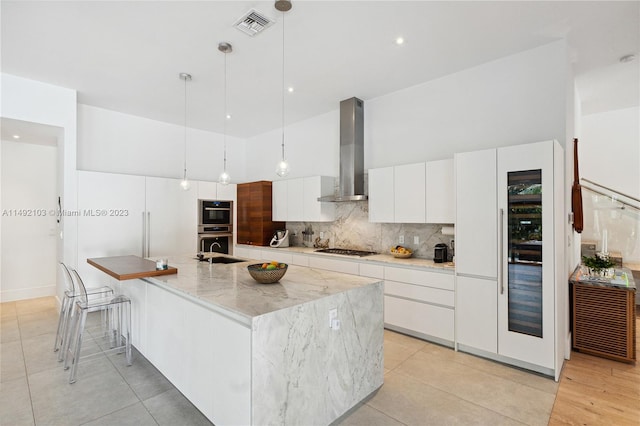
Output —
(110, 141)
(37, 102)
(609, 153)
(312, 147)
(514, 100)
(609, 149)
(28, 241)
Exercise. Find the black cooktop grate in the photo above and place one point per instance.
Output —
(346, 252)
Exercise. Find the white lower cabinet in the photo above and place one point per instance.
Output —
(477, 313)
(346, 267)
(420, 303)
(215, 373)
(420, 319)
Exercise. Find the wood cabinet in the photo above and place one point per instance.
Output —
(604, 321)
(254, 214)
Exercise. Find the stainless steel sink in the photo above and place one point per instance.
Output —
(220, 259)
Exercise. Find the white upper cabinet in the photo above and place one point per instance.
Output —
(227, 192)
(440, 192)
(207, 190)
(314, 210)
(172, 216)
(279, 204)
(295, 203)
(413, 193)
(476, 214)
(215, 191)
(409, 187)
(381, 195)
(296, 200)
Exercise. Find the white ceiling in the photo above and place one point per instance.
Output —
(126, 56)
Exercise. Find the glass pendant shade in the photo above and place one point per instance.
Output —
(283, 168)
(224, 178)
(185, 184)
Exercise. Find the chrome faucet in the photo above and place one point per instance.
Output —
(215, 243)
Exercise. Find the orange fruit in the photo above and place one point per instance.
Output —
(264, 265)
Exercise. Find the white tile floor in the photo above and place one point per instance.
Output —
(425, 384)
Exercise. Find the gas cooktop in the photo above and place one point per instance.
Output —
(346, 252)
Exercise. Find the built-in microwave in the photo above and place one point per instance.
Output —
(212, 212)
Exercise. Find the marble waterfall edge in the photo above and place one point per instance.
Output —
(304, 372)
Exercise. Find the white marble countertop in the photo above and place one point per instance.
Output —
(380, 258)
(230, 287)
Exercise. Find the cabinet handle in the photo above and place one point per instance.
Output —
(148, 234)
(501, 252)
(144, 234)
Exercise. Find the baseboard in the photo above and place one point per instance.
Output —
(27, 293)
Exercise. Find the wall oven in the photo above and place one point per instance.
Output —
(212, 212)
(215, 226)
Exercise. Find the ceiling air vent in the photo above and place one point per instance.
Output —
(253, 22)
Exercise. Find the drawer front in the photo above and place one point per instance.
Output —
(414, 276)
(280, 256)
(334, 265)
(299, 259)
(419, 317)
(417, 292)
(373, 271)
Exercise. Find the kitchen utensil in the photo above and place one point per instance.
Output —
(440, 253)
(280, 239)
(576, 193)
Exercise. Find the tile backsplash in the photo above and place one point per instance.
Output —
(352, 229)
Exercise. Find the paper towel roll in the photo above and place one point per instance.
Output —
(447, 230)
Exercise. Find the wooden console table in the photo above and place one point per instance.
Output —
(604, 316)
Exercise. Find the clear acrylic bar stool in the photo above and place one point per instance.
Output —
(118, 308)
(66, 307)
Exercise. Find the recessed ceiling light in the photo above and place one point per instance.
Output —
(290, 89)
(228, 116)
(16, 136)
(399, 41)
(627, 58)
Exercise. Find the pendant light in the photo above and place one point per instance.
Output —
(224, 178)
(283, 167)
(185, 184)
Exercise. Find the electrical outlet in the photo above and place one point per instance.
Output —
(401, 239)
(321, 234)
(416, 240)
(333, 316)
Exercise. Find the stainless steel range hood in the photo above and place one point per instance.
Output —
(351, 185)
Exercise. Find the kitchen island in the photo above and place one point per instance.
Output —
(249, 353)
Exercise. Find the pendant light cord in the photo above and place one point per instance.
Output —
(185, 127)
(283, 86)
(224, 117)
